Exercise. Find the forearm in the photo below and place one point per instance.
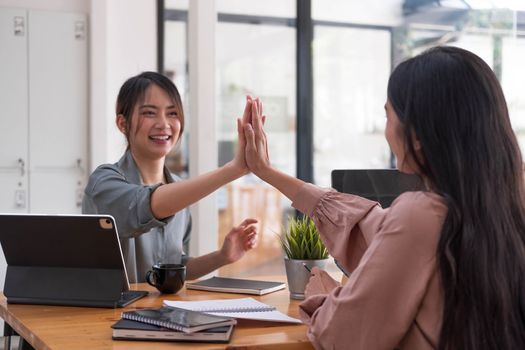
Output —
(171, 198)
(286, 184)
(202, 265)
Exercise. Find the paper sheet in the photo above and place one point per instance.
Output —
(247, 308)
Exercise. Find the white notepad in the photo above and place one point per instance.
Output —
(247, 308)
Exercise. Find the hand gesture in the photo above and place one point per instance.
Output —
(320, 283)
(240, 239)
(256, 153)
(239, 159)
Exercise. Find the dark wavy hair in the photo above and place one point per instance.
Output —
(454, 104)
(134, 90)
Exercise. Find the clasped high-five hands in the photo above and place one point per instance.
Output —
(252, 151)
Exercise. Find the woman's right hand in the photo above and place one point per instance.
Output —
(239, 160)
(256, 153)
(320, 282)
(257, 159)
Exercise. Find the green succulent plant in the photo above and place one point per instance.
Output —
(301, 241)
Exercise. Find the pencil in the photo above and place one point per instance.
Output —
(306, 267)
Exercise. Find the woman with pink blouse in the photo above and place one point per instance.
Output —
(442, 268)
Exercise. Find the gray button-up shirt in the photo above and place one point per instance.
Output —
(117, 190)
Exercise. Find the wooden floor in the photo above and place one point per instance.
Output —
(263, 203)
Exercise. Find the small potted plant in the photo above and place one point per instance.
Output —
(302, 246)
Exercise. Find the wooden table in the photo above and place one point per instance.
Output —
(61, 327)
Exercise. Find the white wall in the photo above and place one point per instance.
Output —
(81, 6)
(203, 140)
(123, 44)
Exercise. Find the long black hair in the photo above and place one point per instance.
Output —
(453, 103)
(134, 90)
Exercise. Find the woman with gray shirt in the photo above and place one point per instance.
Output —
(149, 204)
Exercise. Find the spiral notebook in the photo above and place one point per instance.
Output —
(183, 320)
(244, 308)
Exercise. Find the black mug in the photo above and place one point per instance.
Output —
(167, 278)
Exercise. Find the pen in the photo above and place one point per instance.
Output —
(306, 267)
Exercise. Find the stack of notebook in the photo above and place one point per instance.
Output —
(171, 323)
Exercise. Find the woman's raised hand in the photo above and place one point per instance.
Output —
(239, 159)
(256, 153)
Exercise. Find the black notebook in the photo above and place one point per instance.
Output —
(235, 285)
(186, 321)
(134, 330)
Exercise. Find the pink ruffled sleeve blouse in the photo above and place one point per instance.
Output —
(393, 297)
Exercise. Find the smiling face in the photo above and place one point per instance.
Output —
(155, 125)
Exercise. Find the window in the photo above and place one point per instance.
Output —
(355, 46)
(258, 60)
(351, 69)
(255, 53)
(497, 35)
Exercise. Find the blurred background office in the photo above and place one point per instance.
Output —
(320, 67)
(325, 104)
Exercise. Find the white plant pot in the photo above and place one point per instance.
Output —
(298, 276)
